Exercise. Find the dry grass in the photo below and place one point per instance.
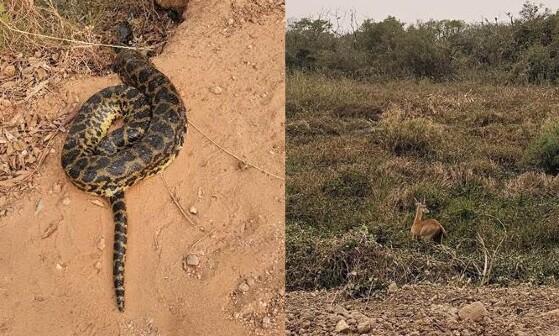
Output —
(24, 57)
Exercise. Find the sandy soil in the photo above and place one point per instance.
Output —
(227, 61)
(427, 310)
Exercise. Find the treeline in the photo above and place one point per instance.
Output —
(523, 50)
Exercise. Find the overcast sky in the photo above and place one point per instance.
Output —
(411, 10)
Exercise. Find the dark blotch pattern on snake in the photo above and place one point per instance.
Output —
(104, 163)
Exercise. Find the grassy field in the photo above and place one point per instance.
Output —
(358, 154)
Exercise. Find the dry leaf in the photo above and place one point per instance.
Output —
(49, 230)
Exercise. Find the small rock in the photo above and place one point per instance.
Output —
(193, 210)
(341, 311)
(5, 102)
(41, 73)
(472, 312)
(364, 326)
(59, 267)
(97, 266)
(266, 322)
(216, 90)
(230, 21)
(192, 260)
(66, 201)
(244, 287)
(243, 165)
(57, 187)
(101, 244)
(9, 70)
(342, 326)
(392, 288)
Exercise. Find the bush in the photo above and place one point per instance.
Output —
(543, 152)
(417, 136)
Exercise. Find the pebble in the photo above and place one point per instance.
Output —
(266, 322)
(244, 287)
(41, 73)
(341, 311)
(192, 260)
(392, 288)
(473, 311)
(66, 201)
(342, 326)
(364, 326)
(101, 244)
(193, 210)
(9, 71)
(5, 102)
(57, 187)
(216, 90)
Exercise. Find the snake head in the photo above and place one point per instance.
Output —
(124, 33)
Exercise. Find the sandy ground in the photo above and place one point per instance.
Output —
(427, 310)
(227, 61)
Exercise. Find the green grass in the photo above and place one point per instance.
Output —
(359, 153)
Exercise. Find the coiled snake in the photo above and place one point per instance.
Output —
(104, 163)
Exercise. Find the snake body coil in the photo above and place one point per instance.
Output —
(104, 163)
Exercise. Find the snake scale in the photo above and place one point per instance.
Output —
(104, 163)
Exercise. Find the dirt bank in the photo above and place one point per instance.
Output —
(227, 62)
(427, 310)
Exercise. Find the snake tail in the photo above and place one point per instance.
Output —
(119, 247)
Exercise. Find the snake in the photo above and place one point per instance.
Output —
(106, 162)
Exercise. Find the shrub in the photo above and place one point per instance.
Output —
(543, 152)
(417, 136)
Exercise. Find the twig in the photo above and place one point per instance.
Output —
(235, 156)
(197, 241)
(484, 274)
(181, 209)
(70, 40)
(489, 261)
